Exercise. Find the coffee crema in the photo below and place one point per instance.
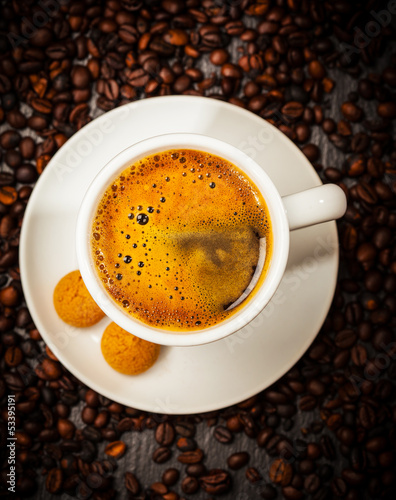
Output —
(182, 239)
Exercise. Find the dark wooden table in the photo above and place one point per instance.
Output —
(339, 438)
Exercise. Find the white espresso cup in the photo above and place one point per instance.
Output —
(313, 206)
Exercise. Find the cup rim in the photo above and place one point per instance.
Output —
(198, 142)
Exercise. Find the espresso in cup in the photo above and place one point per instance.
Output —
(181, 240)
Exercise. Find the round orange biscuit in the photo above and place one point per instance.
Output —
(127, 353)
(74, 304)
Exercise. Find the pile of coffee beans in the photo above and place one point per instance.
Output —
(324, 73)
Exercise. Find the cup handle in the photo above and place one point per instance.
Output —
(315, 205)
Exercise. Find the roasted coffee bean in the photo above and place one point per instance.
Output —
(10, 257)
(382, 237)
(359, 355)
(137, 78)
(80, 77)
(161, 455)
(353, 478)
(307, 403)
(26, 174)
(16, 119)
(223, 435)
(62, 410)
(351, 111)
(41, 105)
(13, 158)
(131, 483)
(306, 466)
(327, 447)
(161, 47)
(185, 429)
(170, 476)
(286, 411)
(66, 428)
(340, 142)
(13, 356)
(111, 89)
(238, 460)
(9, 139)
(27, 148)
(365, 89)
(102, 419)
(196, 470)
(92, 434)
(165, 434)
(37, 123)
(345, 339)
(303, 132)
(253, 475)
(53, 481)
(189, 485)
(23, 318)
(328, 125)
(6, 179)
(333, 174)
(181, 84)
(312, 483)
(367, 193)
(387, 110)
(281, 472)
(128, 33)
(9, 296)
(325, 472)
(292, 110)
(173, 7)
(366, 254)
(264, 436)
(176, 37)
(316, 70)
(115, 449)
(376, 444)
(382, 338)
(357, 458)
(216, 482)
(311, 151)
(186, 444)
(291, 493)
(159, 488)
(268, 492)
(56, 51)
(191, 457)
(92, 398)
(275, 397)
(219, 57)
(88, 415)
(10, 339)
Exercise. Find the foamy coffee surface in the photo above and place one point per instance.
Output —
(176, 239)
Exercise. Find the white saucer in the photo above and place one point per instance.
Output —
(184, 379)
